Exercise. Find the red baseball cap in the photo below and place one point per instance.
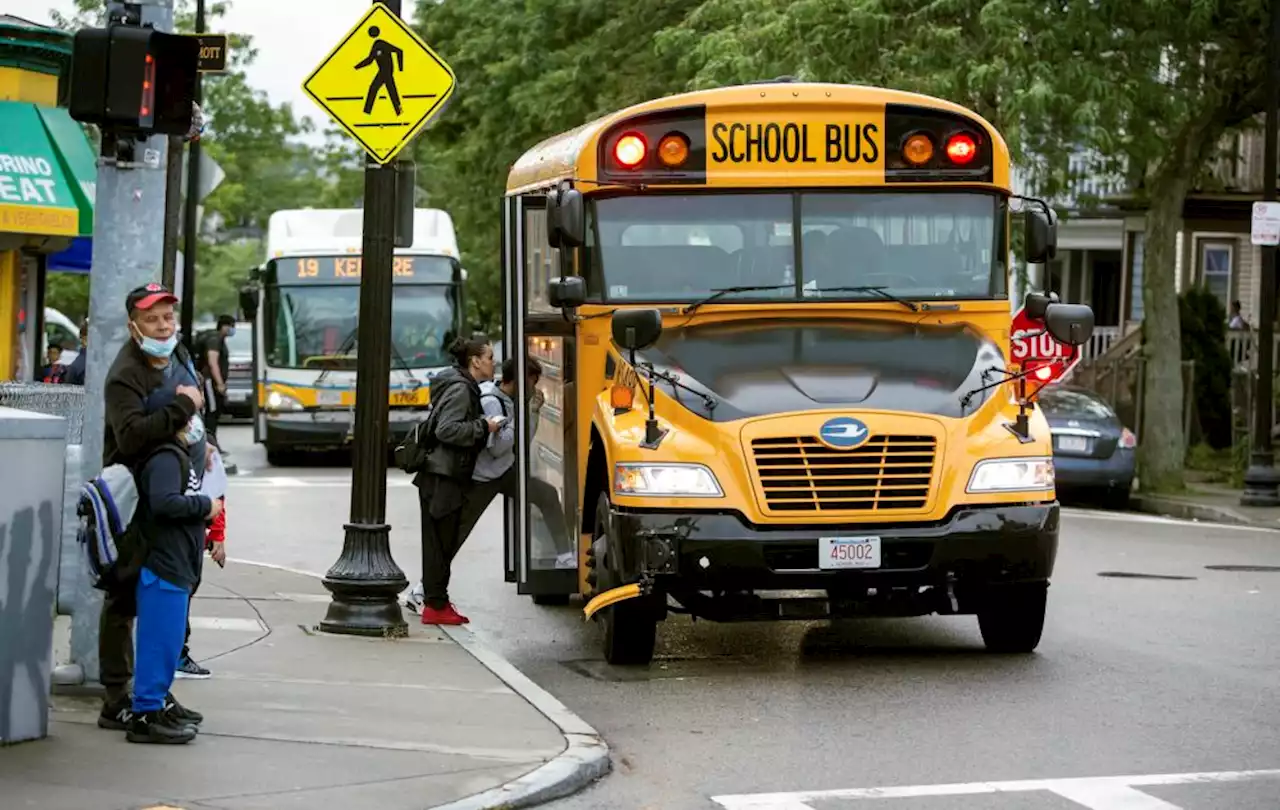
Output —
(147, 296)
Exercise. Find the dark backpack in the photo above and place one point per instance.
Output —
(411, 454)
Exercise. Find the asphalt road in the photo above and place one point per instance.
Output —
(1141, 678)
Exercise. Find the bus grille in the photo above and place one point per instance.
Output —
(801, 474)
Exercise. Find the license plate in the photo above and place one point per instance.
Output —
(848, 552)
(1077, 444)
(329, 397)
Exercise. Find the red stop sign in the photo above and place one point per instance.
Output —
(1034, 349)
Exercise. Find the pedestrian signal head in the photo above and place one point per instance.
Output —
(134, 80)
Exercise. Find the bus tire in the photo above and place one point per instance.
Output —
(1012, 617)
(278, 456)
(630, 627)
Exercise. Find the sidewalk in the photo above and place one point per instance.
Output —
(1209, 503)
(300, 719)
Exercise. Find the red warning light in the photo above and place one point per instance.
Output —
(961, 149)
(630, 151)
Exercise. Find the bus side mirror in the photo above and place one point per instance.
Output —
(566, 219)
(1036, 304)
(637, 329)
(1071, 324)
(249, 303)
(567, 292)
(1041, 236)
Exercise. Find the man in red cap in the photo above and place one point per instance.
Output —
(151, 359)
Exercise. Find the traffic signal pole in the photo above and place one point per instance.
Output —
(190, 222)
(128, 250)
(365, 580)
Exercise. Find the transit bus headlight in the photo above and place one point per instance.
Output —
(672, 480)
(277, 401)
(1012, 475)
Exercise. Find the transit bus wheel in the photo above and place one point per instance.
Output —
(630, 627)
(1012, 617)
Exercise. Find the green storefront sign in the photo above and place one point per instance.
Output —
(47, 172)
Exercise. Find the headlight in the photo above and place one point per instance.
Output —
(277, 401)
(1012, 475)
(679, 480)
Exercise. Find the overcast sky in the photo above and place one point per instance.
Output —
(291, 36)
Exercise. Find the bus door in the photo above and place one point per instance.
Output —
(542, 529)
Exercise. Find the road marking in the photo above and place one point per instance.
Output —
(1138, 517)
(1095, 793)
(219, 623)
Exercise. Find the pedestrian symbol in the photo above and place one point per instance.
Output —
(382, 84)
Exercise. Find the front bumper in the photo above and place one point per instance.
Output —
(974, 548)
(330, 429)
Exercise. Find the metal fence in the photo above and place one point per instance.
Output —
(66, 401)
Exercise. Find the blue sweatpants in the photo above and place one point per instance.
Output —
(161, 627)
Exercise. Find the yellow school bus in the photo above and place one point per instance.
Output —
(774, 327)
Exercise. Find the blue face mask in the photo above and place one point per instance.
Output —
(231, 332)
(194, 432)
(159, 348)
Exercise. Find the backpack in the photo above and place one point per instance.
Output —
(411, 454)
(112, 541)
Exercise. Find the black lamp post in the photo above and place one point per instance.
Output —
(1261, 479)
(365, 580)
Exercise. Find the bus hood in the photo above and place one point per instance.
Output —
(761, 367)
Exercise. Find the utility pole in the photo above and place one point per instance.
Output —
(1261, 479)
(191, 223)
(128, 248)
(365, 581)
(172, 212)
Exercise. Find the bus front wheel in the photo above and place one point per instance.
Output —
(1012, 617)
(630, 627)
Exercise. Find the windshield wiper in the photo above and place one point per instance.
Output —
(405, 365)
(723, 291)
(346, 344)
(880, 291)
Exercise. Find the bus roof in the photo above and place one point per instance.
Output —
(571, 154)
(319, 231)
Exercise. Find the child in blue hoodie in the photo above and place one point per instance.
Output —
(170, 518)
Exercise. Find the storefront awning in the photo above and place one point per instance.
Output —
(44, 191)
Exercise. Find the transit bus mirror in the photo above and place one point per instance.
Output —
(1071, 324)
(1041, 236)
(637, 329)
(567, 292)
(249, 303)
(1036, 304)
(570, 222)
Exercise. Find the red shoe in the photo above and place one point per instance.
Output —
(447, 615)
(454, 608)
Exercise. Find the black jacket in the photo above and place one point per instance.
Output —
(131, 431)
(459, 425)
(171, 517)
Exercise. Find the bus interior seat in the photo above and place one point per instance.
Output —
(667, 271)
(763, 265)
(846, 256)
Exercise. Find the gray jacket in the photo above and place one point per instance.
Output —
(499, 452)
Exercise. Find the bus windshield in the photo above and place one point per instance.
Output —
(912, 245)
(314, 325)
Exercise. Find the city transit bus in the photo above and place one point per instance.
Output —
(774, 326)
(304, 304)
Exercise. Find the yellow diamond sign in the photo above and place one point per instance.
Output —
(382, 83)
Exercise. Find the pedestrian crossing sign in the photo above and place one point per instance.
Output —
(382, 83)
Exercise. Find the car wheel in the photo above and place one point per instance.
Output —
(630, 627)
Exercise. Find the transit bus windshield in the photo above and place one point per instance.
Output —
(684, 247)
(310, 319)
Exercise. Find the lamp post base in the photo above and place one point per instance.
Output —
(365, 583)
(1261, 482)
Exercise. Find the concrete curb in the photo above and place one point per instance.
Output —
(1187, 510)
(584, 759)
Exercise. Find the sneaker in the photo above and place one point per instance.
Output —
(414, 598)
(448, 615)
(188, 717)
(158, 728)
(190, 670)
(116, 716)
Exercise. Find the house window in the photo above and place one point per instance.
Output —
(1215, 269)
